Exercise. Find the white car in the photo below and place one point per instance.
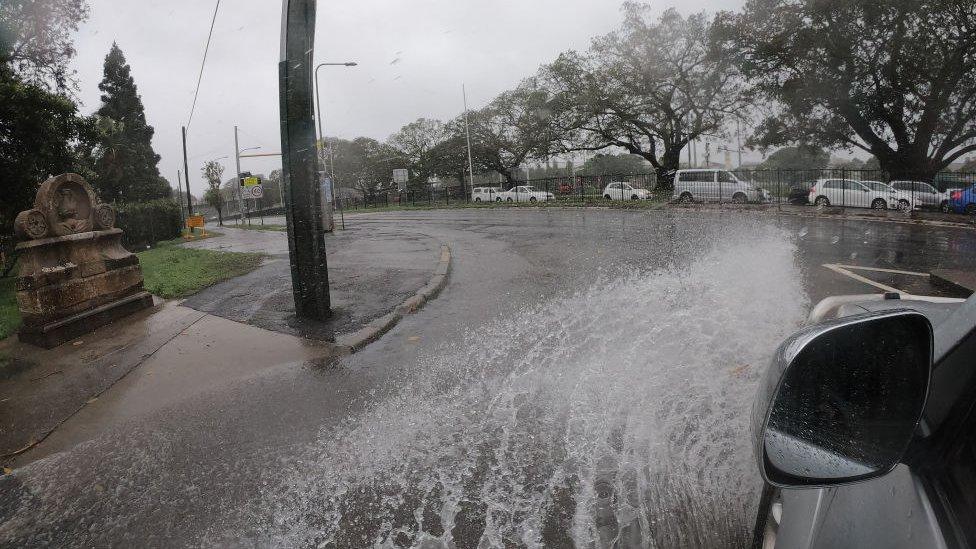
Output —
(925, 195)
(619, 190)
(523, 193)
(484, 194)
(858, 194)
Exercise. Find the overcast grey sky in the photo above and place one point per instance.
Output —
(413, 56)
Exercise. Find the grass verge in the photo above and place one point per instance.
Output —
(173, 271)
(170, 271)
(268, 227)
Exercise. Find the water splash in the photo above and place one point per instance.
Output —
(616, 417)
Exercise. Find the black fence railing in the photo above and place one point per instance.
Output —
(949, 192)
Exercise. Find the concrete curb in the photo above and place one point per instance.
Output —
(355, 341)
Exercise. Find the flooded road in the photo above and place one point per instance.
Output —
(584, 381)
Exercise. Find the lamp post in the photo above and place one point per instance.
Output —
(318, 112)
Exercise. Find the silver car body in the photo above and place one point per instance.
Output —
(900, 510)
(715, 186)
(925, 194)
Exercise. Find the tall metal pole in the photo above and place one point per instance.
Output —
(240, 193)
(738, 140)
(467, 136)
(186, 171)
(306, 234)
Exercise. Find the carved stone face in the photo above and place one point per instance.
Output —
(67, 204)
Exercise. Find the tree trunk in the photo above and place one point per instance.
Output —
(670, 163)
(912, 165)
(220, 216)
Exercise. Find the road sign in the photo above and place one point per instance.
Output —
(400, 177)
(251, 187)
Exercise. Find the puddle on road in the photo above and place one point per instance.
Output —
(617, 417)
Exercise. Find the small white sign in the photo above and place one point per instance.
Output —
(400, 177)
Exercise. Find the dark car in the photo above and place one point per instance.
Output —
(865, 428)
(800, 194)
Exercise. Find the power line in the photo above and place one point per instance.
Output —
(203, 64)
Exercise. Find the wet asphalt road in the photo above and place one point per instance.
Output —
(586, 375)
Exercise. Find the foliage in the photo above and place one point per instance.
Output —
(35, 40)
(801, 157)
(895, 78)
(212, 172)
(40, 135)
(416, 142)
(515, 127)
(173, 271)
(146, 223)
(364, 164)
(9, 314)
(127, 166)
(648, 88)
(616, 164)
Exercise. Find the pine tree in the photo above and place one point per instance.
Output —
(127, 169)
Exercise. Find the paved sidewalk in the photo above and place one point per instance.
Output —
(371, 272)
(231, 331)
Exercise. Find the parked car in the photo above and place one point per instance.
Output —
(865, 427)
(904, 201)
(619, 190)
(715, 186)
(925, 194)
(523, 193)
(484, 194)
(799, 194)
(963, 200)
(857, 194)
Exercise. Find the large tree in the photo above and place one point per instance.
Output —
(127, 168)
(803, 157)
(894, 78)
(615, 164)
(35, 39)
(364, 164)
(517, 126)
(415, 142)
(212, 172)
(649, 88)
(41, 133)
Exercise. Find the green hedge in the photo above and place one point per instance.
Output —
(146, 223)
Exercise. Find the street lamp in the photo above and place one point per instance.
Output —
(318, 112)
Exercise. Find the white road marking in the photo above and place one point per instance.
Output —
(841, 270)
(876, 269)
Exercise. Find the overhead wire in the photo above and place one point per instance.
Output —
(203, 64)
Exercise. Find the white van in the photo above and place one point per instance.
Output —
(715, 186)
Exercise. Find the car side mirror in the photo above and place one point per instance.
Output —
(842, 399)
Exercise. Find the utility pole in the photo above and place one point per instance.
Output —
(186, 171)
(237, 161)
(467, 136)
(179, 195)
(738, 140)
(306, 234)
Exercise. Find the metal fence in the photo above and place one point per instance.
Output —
(868, 189)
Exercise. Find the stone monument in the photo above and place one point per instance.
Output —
(75, 276)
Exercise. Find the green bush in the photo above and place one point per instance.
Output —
(146, 223)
